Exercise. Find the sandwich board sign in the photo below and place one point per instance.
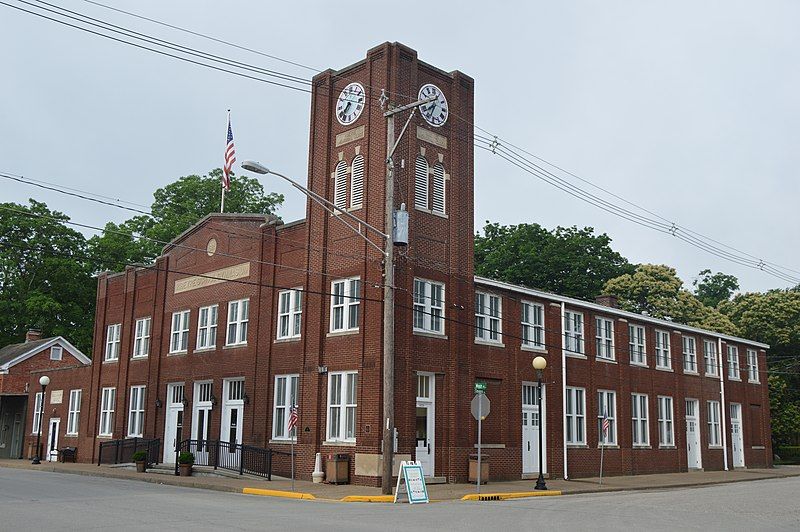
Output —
(412, 479)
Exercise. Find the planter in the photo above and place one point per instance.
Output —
(185, 470)
(141, 466)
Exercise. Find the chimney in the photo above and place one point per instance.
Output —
(607, 300)
(33, 335)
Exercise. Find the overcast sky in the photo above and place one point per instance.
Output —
(690, 109)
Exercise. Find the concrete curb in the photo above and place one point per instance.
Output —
(279, 493)
(368, 498)
(509, 495)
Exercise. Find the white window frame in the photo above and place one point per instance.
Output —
(710, 358)
(108, 399)
(575, 416)
(207, 326)
(663, 352)
(752, 366)
(573, 332)
(604, 338)
(734, 370)
(689, 344)
(136, 412)
(713, 423)
(290, 314)
(603, 397)
(56, 352)
(428, 315)
(345, 303)
(141, 338)
(488, 317)
(532, 320)
(179, 333)
(285, 397)
(637, 343)
(666, 425)
(112, 342)
(238, 319)
(37, 412)
(74, 412)
(639, 420)
(342, 406)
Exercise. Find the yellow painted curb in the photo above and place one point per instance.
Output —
(278, 493)
(368, 498)
(509, 495)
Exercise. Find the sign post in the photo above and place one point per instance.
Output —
(480, 408)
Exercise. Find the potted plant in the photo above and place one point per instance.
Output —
(185, 461)
(140, 457)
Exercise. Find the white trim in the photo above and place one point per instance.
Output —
(71, 349)
(484, 331)
(288, 380)
(294, 308)
(342, 405)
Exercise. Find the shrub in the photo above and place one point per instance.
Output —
(186, 458)
(140, 456)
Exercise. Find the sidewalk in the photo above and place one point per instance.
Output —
(436, 491)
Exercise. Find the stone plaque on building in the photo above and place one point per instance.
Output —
(230, 273)
(56, 396)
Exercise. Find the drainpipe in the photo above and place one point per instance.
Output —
(724, 425)
(564, 388)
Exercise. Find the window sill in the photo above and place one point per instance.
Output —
(140, 357)
(667, 447)
(577, 446)
(205, 349)
(342, 333)
(286, 441)
(177, 353)
(734, 379)
(758, 447)
(712, 376)
(105, 436)
(663, 368)
(429, 334)
(533, 349)
(71, 435)
(334, 443)
(490, 446)
(719, 447)
(287, 340)
(639, 365)
(431, 211)
(489, 343)
(689, 372)
(111, 361)
(606, 360)
(234, 346)
(642, 447)
(608, 446)
(572, 354)
(753, 382)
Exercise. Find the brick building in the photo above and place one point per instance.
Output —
(242, 316)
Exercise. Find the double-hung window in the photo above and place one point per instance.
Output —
(238, 316)
(108, 398)
(136, 412)
(663, 358)
(604, 338)
(710, 357)
(285, 399)
(74, 412)
(641, 431)
(141, 342)
(666, 431)
(179, 336)
(636, 345)
(488, 311)
(342, 402)
(752, 365)
(112, 342)
(713, 424)
(576, 416)
(607, 411)
(290, 305)
(428, 306)
(573, 331)
(532, 325)
(56, 352)
(207, 327)
(733, 363)
(37, 412)
(689, 355)
(345, 300)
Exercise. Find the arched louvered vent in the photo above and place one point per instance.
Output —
(421, 182)
(340, 186)
(357, 182)
(437, 199)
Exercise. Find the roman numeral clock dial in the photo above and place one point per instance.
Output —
(350, 104)
(434, 112)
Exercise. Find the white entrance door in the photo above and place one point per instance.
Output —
(52, 440)
(201, 420)
(426, 422)
(531, 420)
(693, 457)
(736, 435)
(173, 425)
(232, 422)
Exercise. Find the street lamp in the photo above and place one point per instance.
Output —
(539, 363)
(44, 380)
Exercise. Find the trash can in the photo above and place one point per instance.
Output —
(337, 469)
(473, 468)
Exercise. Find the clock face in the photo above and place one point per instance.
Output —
(350, 104)
(435, 112)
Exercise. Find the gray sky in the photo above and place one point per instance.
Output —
(690, 109)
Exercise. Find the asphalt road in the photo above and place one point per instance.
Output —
(33, 500)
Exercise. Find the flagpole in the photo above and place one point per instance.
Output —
(222, 202)
(602, 447)
(293, 462)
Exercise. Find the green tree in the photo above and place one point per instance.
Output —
(45, 280)
(712, 289)
(175, 208)
(784, 410)
(567, 260)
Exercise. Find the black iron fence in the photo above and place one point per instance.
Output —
(234, 457)
(121, 451)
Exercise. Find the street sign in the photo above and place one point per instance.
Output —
(480, 406)
(480, 387)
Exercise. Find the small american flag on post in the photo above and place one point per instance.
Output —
(606, 424)
(230, 157)
(292, 423)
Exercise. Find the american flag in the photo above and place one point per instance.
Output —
(292, 423)
(230, 157)
(606, 424)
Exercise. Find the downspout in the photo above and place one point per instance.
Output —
(564, 388)
(724, 426)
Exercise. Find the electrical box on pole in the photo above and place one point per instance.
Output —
(400, 232)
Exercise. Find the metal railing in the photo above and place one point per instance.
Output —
(121, 451)
(234, 457)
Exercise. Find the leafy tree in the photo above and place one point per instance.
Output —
(175, 208)
(784, 410)
(567, 260)
(712, 289)
(45, 280)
